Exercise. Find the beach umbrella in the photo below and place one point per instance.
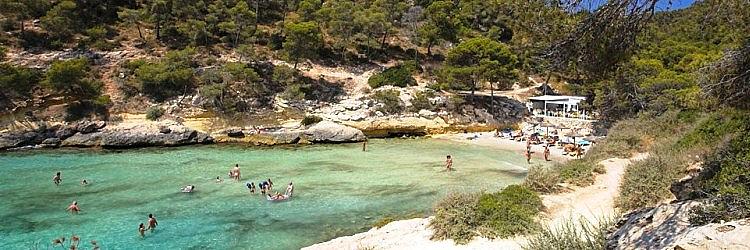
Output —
(547, 125)
(574, 134)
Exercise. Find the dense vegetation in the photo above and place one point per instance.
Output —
(510, 212)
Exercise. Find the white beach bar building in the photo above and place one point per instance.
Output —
(557, 105)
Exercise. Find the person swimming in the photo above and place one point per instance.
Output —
(218, 179)
(73, 208)
(188, 189)
(84, 182)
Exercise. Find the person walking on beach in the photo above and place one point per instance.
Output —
(448, 163)
(57, 178)
(152, 223)
(142, 230)
(73, 208)
(546, 153)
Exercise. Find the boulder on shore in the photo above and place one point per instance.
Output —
(327, 131)
(139, 135)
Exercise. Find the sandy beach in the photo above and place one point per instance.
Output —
(592, 202)
(488, 140)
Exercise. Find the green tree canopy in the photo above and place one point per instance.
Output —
(302, 41)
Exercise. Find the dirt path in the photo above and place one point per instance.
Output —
(592, 202)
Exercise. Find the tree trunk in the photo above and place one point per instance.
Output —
(429, 48)
(158, 30)
(473, 87)
(546, 82)
(492, 100)
(140, 34)
(382, 43)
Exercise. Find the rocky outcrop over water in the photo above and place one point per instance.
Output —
(322, 132)
(331, 132)
(99, 134)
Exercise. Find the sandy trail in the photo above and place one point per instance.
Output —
(593, 202)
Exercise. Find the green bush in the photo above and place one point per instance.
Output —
(542, 179)
(18, 80)
(509, 212)
(421, 101)
(154, 113)
(390, 100)
(456, 218)
(166, 78)
(398, 75)
(725, 181)
(73, 79)
(583, 235)
(579, 171)
(310, 120)
(647, 182)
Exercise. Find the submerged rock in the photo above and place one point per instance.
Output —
(327, 131)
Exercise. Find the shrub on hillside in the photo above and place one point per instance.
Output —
(583, 235)
(398, 75)
(647, 182)
(579, 171)
(18, 80)
(725, 181)
(310, 120)
(73, 79)
(456, 218)
(509, 212)
(542, 179)
(154, 113)
(165, 78)
(390, 100)
(421, 101)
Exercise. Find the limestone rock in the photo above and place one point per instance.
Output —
(327, 131)
(86, 127)
(83, 140)
(427, 114)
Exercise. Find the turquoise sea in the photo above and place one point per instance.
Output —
(339, 190)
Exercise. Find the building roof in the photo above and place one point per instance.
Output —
(557, 98)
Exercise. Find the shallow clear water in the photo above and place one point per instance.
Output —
(339, 190)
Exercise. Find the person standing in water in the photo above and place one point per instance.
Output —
(270, 184)
(57, 178)
(448, 163)
(289, 189)
(546, 153)
(73, 208)
(528, 156)
(152, 223)
(142, 230)
(236, 172)
(364, 146)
